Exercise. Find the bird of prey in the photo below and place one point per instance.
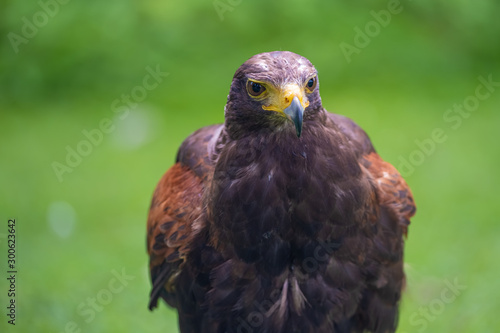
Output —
(282, 219)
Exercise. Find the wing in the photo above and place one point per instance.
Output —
(395, 207)
(393, 192)
(177, 211)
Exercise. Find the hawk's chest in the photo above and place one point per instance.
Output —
(263, 192)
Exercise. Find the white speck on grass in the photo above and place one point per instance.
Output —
(61, 217)
(134, 130)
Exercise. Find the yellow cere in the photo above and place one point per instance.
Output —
(281, 99)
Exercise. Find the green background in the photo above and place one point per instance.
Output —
(64, 78)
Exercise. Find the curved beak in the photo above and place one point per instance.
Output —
(290, 102)
(296, 112)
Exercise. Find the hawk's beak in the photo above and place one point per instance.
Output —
(296, 111)
(290, 102)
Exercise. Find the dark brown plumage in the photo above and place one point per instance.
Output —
(284, 219)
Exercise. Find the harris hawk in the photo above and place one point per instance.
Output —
(282, 219)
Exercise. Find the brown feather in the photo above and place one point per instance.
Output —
(176, 212)
(177, 203)
(392, 190)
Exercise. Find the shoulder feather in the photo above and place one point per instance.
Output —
(177, 210)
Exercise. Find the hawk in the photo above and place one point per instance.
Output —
(282, 219)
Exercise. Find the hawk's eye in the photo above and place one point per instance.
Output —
(311, 84)
(254, 88)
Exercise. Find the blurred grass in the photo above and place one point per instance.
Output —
(397, 88)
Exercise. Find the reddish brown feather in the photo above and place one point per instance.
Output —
(392, 190)
(177, 202)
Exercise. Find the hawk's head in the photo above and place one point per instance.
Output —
(272, 90)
